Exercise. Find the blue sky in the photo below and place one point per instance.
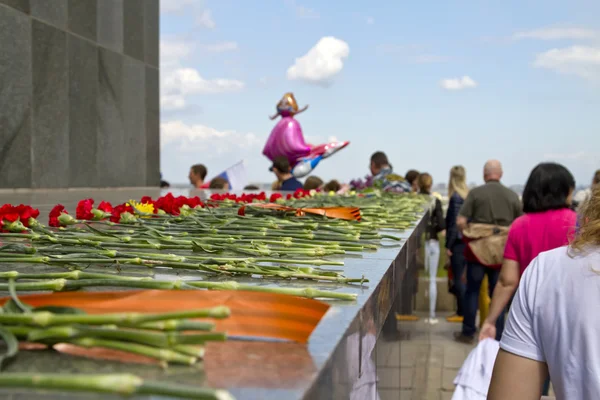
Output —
(431, 83)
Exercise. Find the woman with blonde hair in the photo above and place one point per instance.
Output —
(455, 247)
(437, 226)
(553, 324)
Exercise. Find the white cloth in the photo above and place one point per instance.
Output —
(365, 387)
(473, 379)
(432, 259)
(554, 319)
(236, 175)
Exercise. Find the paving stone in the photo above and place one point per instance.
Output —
(446, 395)
(448, 375)
(393, 378)
(454, 357)
(393, 394)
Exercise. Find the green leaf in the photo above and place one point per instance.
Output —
(99, 232)
(12, 346)
(197, 246)
(13, 295)
(10, 307)
(17, 248)
(60, 310)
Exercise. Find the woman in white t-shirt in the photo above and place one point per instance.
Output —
(554, 323)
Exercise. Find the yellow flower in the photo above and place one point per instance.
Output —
(142, 208)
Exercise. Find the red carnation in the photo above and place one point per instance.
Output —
(147, 200)
(118, 210)
(105, 206)
(26, 212)
(9, 213)
(194, 202)
(167, 203)
(217, 197)
(84, 209)
(274, 197)
(55, 213)
(300, 193)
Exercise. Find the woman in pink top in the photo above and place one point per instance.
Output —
(548, 223)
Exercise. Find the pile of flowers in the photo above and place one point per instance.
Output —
(146, 207)
(17, 218)
(125, 212)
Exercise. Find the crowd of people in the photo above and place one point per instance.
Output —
(539, 253)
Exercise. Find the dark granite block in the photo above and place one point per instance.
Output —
(51, 11)
(83, 112)
(50, 139)
(110, 24)
(152, 127)
(133, 29)
(15, 99)
(151, 32)
(134, 121)
(21, 5)
(110, 156)
(82, 18)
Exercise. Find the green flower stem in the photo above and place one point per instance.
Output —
(305, 292)
(71, 275)
(45, 318)
(167, 355)
(190, 350)
(122, 384)
(178, 325)
(149, 338)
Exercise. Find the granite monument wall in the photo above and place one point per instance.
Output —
(79, 93)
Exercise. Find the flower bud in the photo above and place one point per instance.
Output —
(65, 219)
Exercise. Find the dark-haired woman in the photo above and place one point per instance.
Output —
(548, 223)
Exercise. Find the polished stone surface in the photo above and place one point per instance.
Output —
(151, 32)
(83, 18)
(152, 127)
(110, 163)
(133, 29)
(15, 98)
(50, 11)
(21, 5)
(74, 83)
(110, 24)
(83, 112)
(340, 351)
(50, 143)
(133, 143)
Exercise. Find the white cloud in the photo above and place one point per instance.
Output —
(321, 63)
(221, 47)
(370, 20)
(301, 11)
(582, 61)
(263, 80)
(557, 33)
(173, 50)
(182, 82)
(465, 82)
(202, 16)
(205, 19)
(193, 138)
